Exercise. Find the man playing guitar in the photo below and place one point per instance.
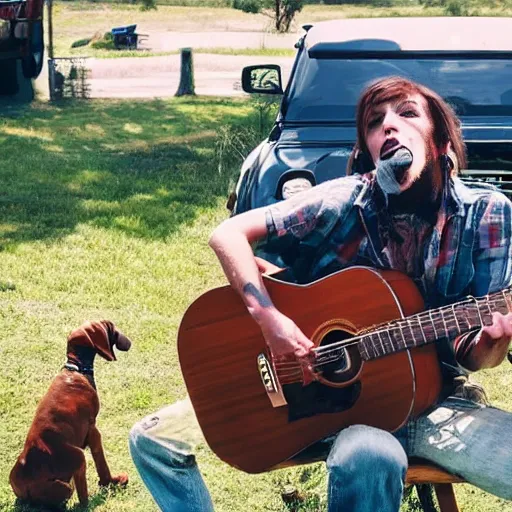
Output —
(406, 210)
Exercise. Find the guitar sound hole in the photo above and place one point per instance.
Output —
(335, 363)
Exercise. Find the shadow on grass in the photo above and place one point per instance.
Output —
(141, 167)
(95, 501)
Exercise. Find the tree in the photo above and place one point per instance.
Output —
(281, 11)
(147, 5)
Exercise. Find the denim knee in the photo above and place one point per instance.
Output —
(366, 471)
(168, 470)
(138, 441)
(365, 450)
(145, 448)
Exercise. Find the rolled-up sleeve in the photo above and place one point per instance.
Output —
(492, 262)
(310, 216)
(300, 228)
(493, 251)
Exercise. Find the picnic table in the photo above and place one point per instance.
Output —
(125, 38)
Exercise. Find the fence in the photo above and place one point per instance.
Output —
(68, 78)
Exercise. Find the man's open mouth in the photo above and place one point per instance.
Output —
(401, 159)
(389, 148)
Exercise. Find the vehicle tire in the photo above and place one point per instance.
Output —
(9, 81)
(32, 64)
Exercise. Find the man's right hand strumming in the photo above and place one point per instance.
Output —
(231, 243)
(286, 342)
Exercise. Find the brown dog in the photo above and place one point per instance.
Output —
(65, 423)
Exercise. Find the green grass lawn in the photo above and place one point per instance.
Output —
(106, 208)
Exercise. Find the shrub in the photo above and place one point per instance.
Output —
(456, 8)
(104, 43)
(250, 6)
(81, 42)
(235, 142)
(147, 5)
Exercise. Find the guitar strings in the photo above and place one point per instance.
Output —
(403, 323)
(334, 348)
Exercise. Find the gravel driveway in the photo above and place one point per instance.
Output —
(134, 77)
(158, 77)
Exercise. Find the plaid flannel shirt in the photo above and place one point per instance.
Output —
(335, 225)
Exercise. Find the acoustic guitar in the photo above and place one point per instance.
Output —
(375, 362)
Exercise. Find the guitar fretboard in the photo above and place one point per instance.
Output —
(429, 326)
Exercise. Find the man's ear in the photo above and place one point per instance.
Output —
(446, 152)
(445, 149)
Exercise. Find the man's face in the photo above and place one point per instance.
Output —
(402, 123)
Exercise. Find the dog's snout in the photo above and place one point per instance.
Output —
(123, 342)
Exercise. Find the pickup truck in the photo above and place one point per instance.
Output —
(21, 39)
(468, 61)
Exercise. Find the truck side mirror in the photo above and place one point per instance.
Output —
(262, 79)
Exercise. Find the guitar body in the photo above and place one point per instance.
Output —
(219, 344)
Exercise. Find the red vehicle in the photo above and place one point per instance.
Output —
(21, 38)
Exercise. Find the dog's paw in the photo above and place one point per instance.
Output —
(121, 479)
(83, 503)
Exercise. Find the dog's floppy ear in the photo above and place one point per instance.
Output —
(94, 335)
(116, 337)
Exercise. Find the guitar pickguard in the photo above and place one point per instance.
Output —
(317, 398)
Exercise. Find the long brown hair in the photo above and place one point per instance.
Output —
(394, 88)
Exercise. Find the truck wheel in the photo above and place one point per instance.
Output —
(32, 64)
(9, 81)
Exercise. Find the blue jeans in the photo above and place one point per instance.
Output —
(161, 446)
(366, 466)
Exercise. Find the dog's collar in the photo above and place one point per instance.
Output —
(86, 370)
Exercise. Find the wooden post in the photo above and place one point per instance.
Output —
(50, 29)
(186, 86)
(51, 62)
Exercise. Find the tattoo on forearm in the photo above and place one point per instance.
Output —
(263, 299)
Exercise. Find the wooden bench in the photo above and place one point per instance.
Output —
(422, 472)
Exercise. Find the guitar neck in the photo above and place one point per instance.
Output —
(433, 325)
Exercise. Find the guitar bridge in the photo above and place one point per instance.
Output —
(270, 382)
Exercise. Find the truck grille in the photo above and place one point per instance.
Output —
(500, 179)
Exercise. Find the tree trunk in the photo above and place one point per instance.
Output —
(277, 8)
(186, 86)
